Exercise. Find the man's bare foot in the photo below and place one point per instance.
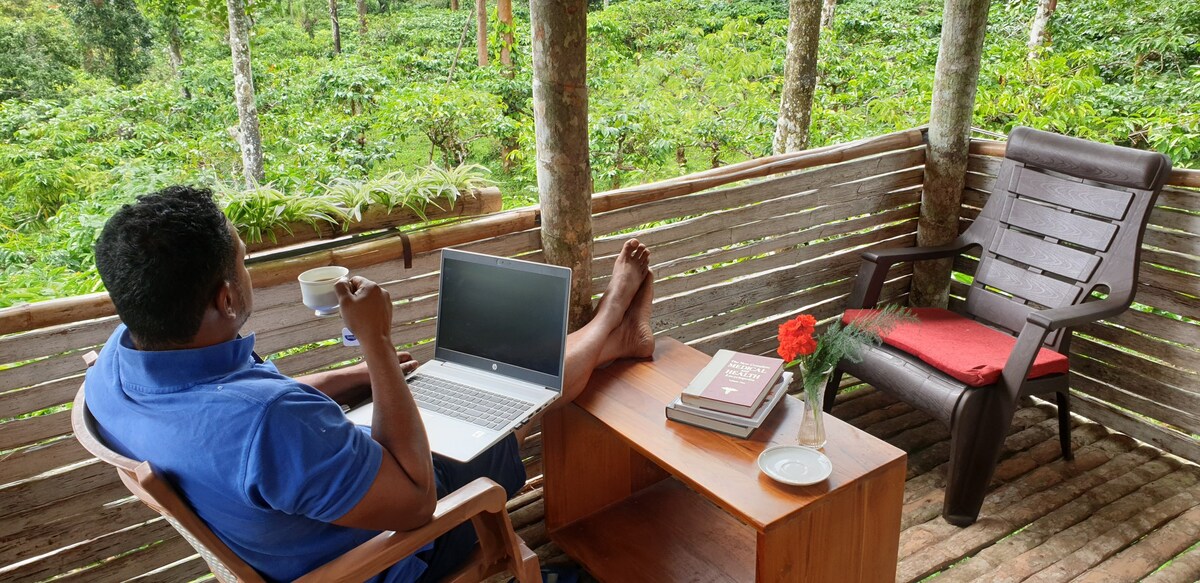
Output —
(634, 338)
(630, 269)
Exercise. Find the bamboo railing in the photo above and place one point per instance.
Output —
(735, 250)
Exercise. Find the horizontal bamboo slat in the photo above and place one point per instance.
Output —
(85, 554)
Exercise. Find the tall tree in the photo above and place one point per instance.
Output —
(168, 16)
(362, 16)
(964, 24)
(243, 93)
(115, 35)
(481, 32)
(335, 27)
(1038, 31)
(799, 76)
(560, 119)
(504, 17)
(827, 13)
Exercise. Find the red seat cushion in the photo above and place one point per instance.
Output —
(961, 347)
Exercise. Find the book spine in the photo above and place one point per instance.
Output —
(706, 423)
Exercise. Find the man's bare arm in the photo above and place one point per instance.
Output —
(404, 494)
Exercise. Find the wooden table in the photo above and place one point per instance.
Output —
(635, 497)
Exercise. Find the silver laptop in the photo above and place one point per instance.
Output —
(498, 352)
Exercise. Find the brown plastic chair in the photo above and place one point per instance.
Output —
(1066, 217)
(481, 501)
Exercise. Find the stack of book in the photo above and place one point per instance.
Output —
(733, 394)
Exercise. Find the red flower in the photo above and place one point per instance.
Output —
(796, 337)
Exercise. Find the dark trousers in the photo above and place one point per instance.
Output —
(502, 463)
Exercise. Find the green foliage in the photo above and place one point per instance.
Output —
(256, 212)
(450, 116)
(674, 86)
(116, 35)
(415, 193)
(260, 212)
(36, 56)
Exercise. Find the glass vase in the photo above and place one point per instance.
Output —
(812, 425)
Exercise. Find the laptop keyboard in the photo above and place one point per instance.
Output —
(483, 408)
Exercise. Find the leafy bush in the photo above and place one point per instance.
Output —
(36, 59)
(116, 35)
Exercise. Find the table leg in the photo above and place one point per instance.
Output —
(587, 466)
(852, 534)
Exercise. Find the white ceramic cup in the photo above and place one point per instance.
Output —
(316, 288)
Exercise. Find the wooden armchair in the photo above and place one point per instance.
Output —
(481, 501)
(1065, 219)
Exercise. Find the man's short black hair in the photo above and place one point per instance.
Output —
(162, 259)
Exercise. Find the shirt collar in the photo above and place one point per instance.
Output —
(167, 370)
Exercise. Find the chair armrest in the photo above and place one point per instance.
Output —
(387, 548)
(1040, 323)
(1070, 316)
(897, 254)
(876, 263)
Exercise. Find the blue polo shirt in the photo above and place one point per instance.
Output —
(267, 462)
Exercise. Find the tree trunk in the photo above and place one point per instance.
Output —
(1038, 33)
(175, 56)
(827, 13)
(505, 16)
(964, 24)
(799, 76)
(335, 28)
(362, 16)
(453, 4)
(560, 117)
(243, 93)
(481, 32)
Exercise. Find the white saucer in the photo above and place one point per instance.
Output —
(796, 465)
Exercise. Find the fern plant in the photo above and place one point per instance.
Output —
(259, 211)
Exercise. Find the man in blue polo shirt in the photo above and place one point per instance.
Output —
(270, 463)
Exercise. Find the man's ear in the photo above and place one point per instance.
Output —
(224, 301)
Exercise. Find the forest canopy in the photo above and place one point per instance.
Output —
(103, 101)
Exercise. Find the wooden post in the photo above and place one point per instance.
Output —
(560, 118)
(799, 76)
(481, 32)
(504, 15)
(243, 93)
(964, 24)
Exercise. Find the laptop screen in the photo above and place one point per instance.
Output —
(503, 315)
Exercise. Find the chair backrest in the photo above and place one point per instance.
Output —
(1065, 218)
(158, 494)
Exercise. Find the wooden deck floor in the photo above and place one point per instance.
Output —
(1122, 511)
